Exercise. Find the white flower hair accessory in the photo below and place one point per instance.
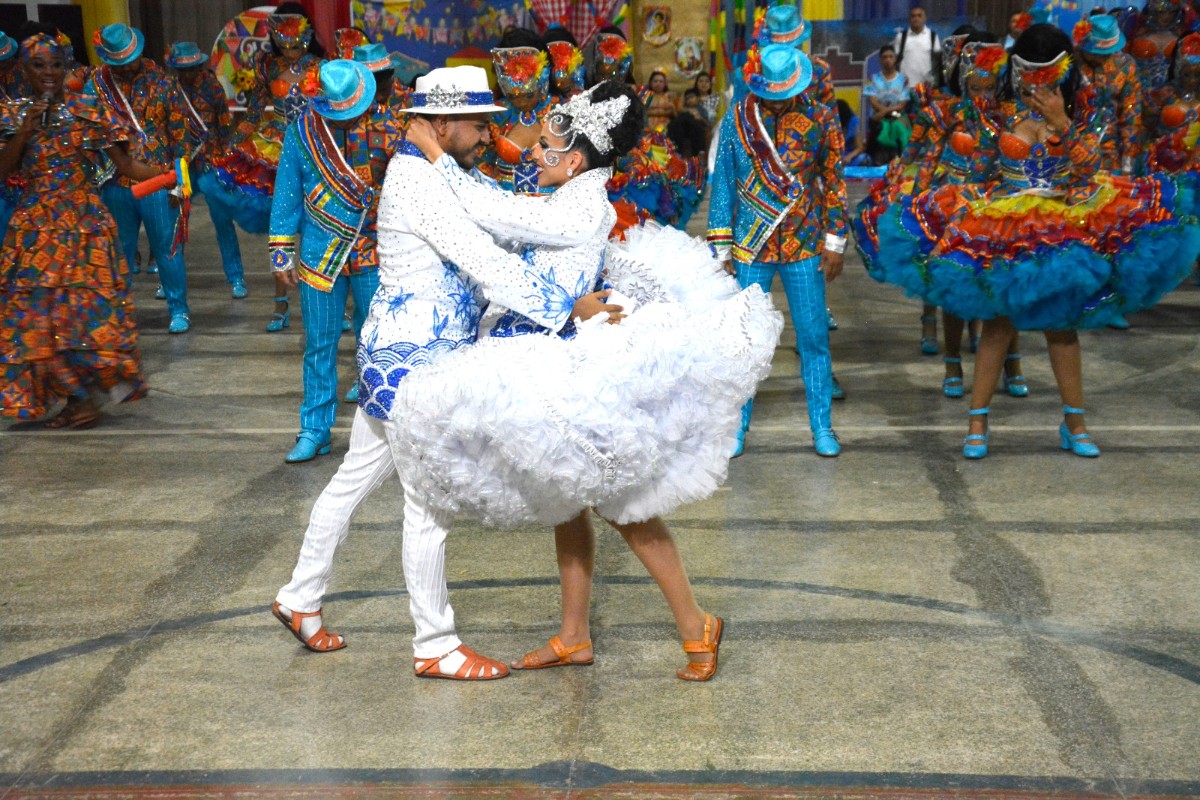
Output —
(593, 120)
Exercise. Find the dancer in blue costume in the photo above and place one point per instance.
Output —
(960, 146)
(1052, 245)
(208, 116)
(242, 179)
(779, 205)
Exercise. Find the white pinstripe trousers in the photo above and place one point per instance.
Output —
(366, 466)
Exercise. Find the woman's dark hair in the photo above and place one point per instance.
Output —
(314, 46)
(1039, 44)
(689, 134)
(625, 134)
(560, 34)
(845, 113)
(650, 79)
(985, 37)
(522, 37)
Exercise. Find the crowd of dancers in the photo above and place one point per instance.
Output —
(537, 340)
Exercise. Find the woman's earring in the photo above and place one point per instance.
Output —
(570, 172)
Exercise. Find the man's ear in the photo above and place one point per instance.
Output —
(441, 124)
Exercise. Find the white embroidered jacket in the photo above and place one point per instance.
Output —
(434, 265)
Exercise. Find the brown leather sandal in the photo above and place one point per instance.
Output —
(322, 641)
(532, 660)
(78, 415)
(475, 668)
(711, 643)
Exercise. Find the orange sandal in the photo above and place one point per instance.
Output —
(532, 660)
(475, 668)
(322, 641)
(711, 643)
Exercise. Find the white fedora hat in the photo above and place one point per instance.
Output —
(453, 90)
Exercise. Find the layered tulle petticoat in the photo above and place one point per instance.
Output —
(634, 419)
(1047, 259)
(242, 180)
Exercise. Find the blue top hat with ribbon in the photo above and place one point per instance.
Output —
(783, 72)
(1099, 35)
(185, 55)
(347, 90)
(784, 25)
(118, 44)
(8, 46)
(374, 57)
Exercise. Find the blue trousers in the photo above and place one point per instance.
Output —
(159, 217)
(805, 289)
(323, 312)
(227, 243)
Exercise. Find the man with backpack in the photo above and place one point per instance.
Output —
(918, 49)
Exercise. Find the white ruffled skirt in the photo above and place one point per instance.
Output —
(634, 419)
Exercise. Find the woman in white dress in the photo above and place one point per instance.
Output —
(633, 419)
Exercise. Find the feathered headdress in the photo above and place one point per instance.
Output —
(612, 49)
(1047, 73)
(521, 71)
(566, 60)
(347, 40)
(290, 29)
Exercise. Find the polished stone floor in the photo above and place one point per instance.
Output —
(902, 622)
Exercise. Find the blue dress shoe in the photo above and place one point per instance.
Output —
(280, 321)
(836, 392)
(238, 290)
(830, 321)
(929, 344)
(739, 445)
(160, 293)
(976, 444)
(1015, 385)
(1081, 444)
(180, 323)
(152, 267)
(1119, 323)
(346, 324)
(309, 445)
(826, 443)
(352, 395)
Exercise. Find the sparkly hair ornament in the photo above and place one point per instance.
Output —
(613, 49)
(521, 71)
(590, 120)
(290, 29)
(1047, 73)
(44, 45)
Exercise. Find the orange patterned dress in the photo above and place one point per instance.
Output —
(67, 320)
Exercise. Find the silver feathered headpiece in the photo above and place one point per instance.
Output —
(593, 120)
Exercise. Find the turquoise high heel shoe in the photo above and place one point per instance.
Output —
(952, 387)
(1081, 444)
(929, 344)
(280, 321)
(976, 444)
(739, 445)
(1015, 386)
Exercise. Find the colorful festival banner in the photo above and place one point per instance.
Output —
(428, 33)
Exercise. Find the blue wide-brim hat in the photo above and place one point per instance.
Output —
(374, 57)
(784, 25)
(119, 44)
(784, 72)
(8, 46)
(1105, 36)
(185, 55)
(347, 90)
